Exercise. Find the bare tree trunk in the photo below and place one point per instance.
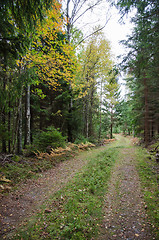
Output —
(111, 124)
(9, 122)
(91, 111)
(19, 133)
(100, 122)
(69, 123)
(68, 26)
(146, 117)
(28, 116)
(4, 148)
(70, 104)
(15, 134)
(14, 127)
(100, 111)
(133, 132)
(86, 118)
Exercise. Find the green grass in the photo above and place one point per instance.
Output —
(75, 212)
(148, 174)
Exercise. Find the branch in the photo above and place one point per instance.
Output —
(98, 30)
(86, 10)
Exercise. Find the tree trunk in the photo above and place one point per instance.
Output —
(111, 125)
(19, 133)
(28, 116)
(69, 123)
(9, 122)
(4, 148)
(16, 127)
(91, 111)
(146, 117)
(68, 26)
(86, 121)
(100, 112)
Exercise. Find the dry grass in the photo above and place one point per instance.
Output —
(62, 152)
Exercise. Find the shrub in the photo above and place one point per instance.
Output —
(80, 139)
(51, 138)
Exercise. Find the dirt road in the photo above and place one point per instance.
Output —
(26, 200)
(124, 211)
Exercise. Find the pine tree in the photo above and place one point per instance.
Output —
(142, 61)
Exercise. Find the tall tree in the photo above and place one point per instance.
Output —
(96, 63)
(52, 57)
(18, 19)
(142, 61)
(74, 11)
(111, 100)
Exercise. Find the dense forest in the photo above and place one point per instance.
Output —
(57, 86)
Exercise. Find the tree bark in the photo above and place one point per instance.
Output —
(111, 124)
(86, 121)
(4, 147)
(17, 122)
(91, 110)
(19, 134)
(9, 121)
(100, 111)
(28, 116)
(146, 117)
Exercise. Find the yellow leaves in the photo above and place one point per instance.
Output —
(4, 183)
(51, 56)
(95, 64)
(4, 179)
(52, 21)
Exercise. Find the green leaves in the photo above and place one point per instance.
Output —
(51, 137)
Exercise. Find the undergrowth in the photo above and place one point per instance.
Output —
(75, 212)
(18, 168)
(25, 168)
(148, 167)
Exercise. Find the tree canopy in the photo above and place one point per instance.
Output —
(47, 82)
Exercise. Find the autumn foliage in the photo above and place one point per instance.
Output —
(50, 54)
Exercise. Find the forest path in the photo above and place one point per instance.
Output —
(29, 196)
(124, 210)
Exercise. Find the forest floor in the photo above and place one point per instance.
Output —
(124, 210)
(29, 195)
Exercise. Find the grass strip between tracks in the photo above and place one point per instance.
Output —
(75, 212)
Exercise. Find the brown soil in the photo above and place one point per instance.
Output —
(25, 201)
(124, 212)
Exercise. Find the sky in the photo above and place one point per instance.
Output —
(114, 31)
